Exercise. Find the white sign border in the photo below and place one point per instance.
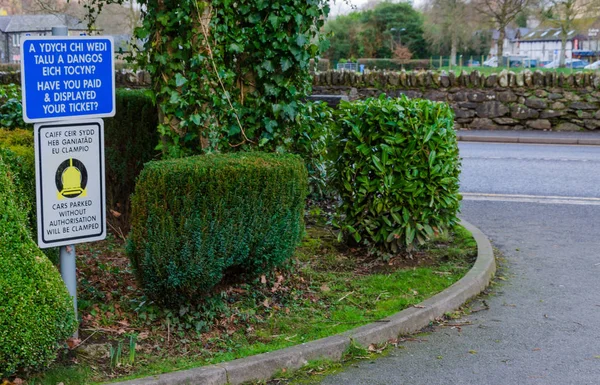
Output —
(61, 118)
(38, 183)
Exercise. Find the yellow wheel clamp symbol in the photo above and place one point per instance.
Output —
(71, 179)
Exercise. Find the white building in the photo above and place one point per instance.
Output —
(511, 41)
(545, 44)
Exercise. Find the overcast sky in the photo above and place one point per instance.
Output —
(341, 6)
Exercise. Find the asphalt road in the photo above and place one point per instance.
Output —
(542, 325)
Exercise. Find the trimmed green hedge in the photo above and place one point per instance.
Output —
(130, 140)
(36, 312)
(16, 146)
(194, 219)
(396, 169)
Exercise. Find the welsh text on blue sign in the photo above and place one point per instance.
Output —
(67, 77)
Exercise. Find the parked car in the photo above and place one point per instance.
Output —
(578, 63)
(491, 62)
(569, 63)
(530, 63)
(594, 66)
(544, 63)
(473, 63)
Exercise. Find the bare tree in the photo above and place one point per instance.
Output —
(47, 6)
(502, 13)
(447, 25)
(562, 15)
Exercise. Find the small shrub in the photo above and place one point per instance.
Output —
(396, 169)
(36, 312)
(16, 147)
(11, 110)
(196, 219)
(395, 64)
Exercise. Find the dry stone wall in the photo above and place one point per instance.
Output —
(509, 101)
(123, 78)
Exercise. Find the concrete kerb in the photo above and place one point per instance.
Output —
(265, 366)
(528, 140)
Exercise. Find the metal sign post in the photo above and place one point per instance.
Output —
(66, 80)
(68, 265)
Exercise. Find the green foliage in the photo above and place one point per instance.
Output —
(390, 64)
(368, 34)
(130, 141)
(36, 312)
(310, 140)
(11, 111)
(396, 169)
(196, 219)
(228, 74)
(16, 146)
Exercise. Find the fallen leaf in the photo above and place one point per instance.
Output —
(116, 214)
(473, 351)
(325, 288)
(266, 302)
(123, 323)
(72, 343)
(263, 279)
(142, 336)
(18, 381)
(419, 306)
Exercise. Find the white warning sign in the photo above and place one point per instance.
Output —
(70, 182)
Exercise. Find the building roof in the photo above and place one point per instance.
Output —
(549, 30)
(511, 33)
(39, 23)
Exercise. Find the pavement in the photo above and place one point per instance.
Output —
(537, 137)
(542, 323)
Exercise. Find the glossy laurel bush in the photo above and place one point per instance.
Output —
(396, 167)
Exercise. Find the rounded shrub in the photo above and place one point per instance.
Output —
(196, 219)
(396, 169)
(36, 312)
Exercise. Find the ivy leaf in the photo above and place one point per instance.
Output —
(180, 80)
(175, 98)
(274, 20)
(270, 125)
(290, 110)
(195, 118)
(285, 64)
(267, 65)
(301, 40)
(234, 47)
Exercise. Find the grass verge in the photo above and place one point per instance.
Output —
(326, 289)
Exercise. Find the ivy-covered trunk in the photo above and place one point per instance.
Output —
(229, 75)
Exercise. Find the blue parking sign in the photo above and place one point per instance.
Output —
(65, 77)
